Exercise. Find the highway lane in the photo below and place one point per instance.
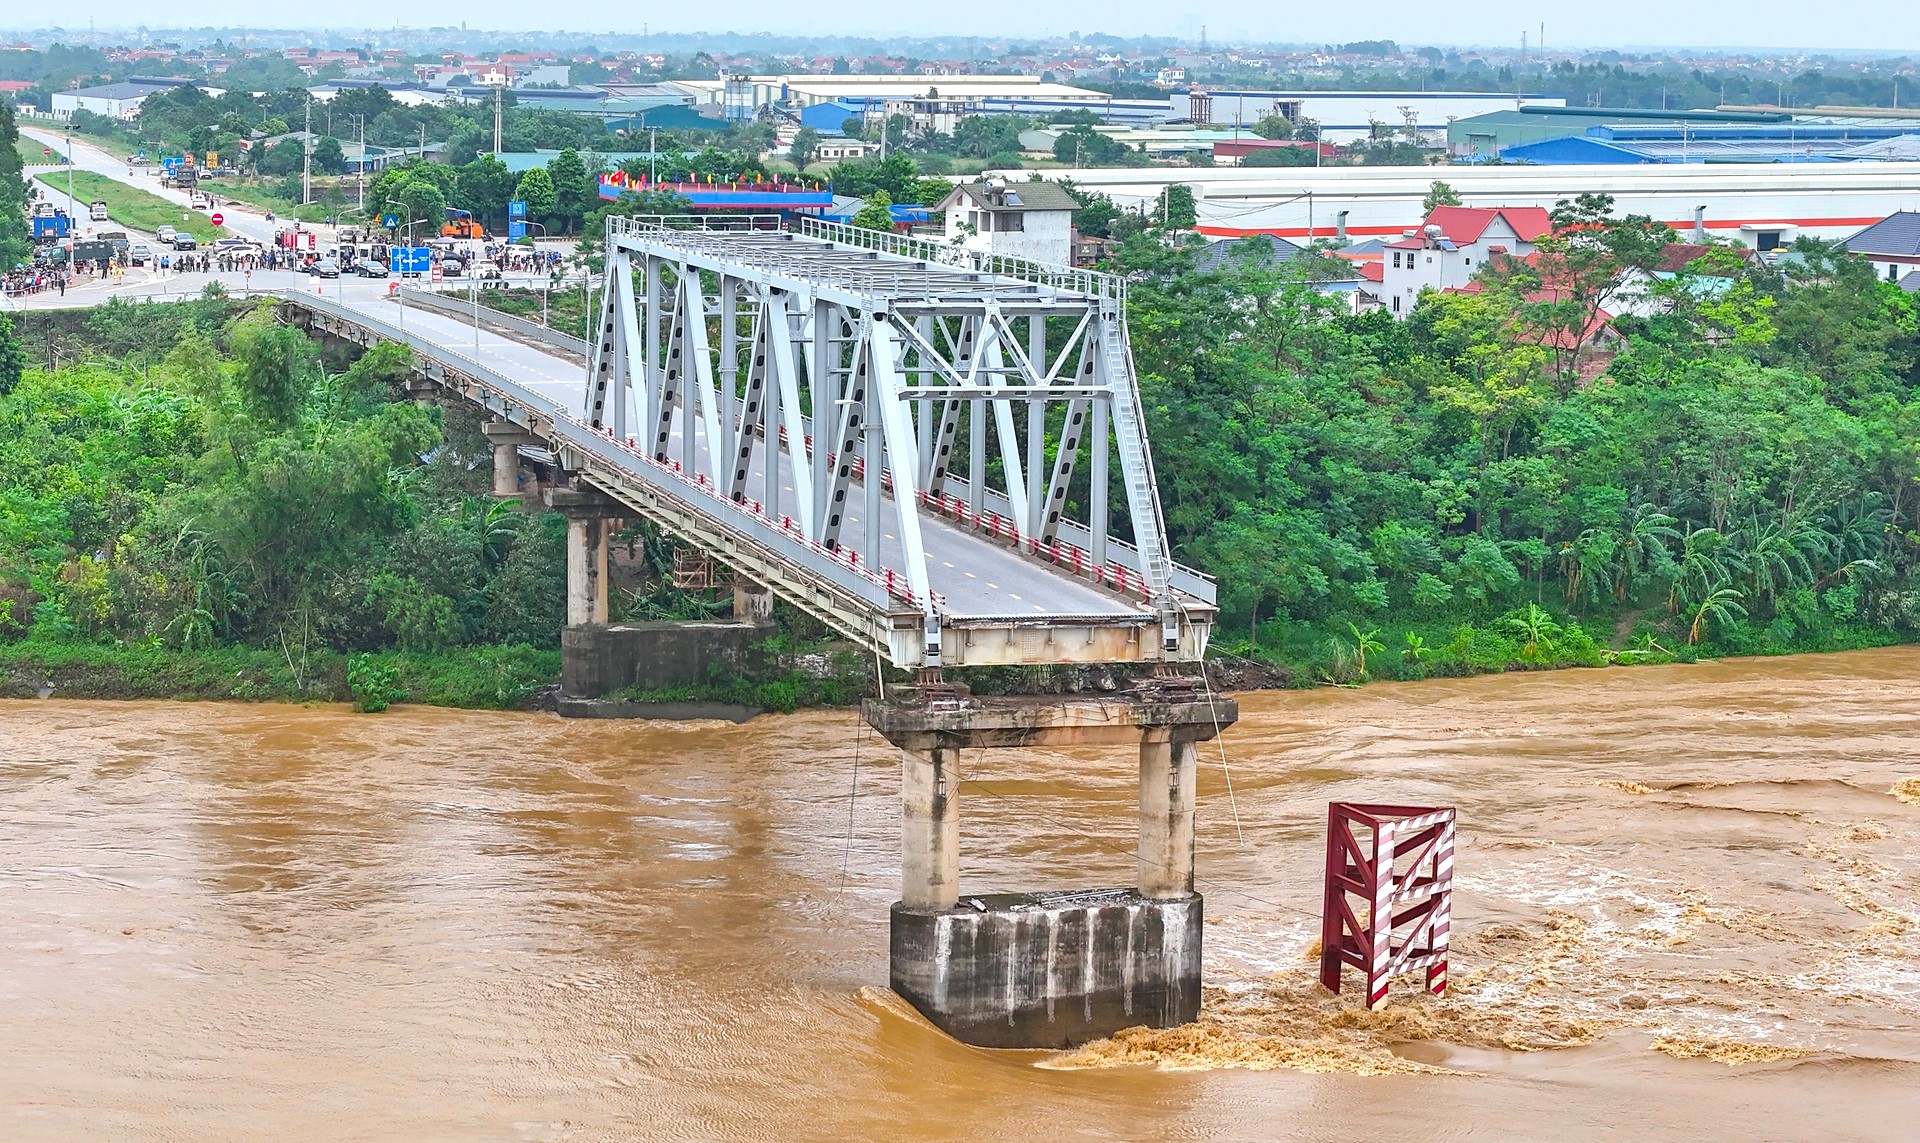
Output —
(239, 220)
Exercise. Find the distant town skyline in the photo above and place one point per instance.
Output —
(1843, 25)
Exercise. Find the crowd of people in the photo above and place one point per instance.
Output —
(24, 281)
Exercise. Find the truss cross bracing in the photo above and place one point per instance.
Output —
(958, 438)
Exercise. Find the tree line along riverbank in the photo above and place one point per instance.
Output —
(196, 501)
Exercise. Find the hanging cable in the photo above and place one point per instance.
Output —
(1232, 802)
(846, 851)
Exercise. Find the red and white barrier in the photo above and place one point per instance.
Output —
(1398, 861)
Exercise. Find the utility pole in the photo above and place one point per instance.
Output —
(653, 155)
(499, 94)
(360, 176)
(306, 166)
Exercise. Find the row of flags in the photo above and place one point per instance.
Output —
(640, 182)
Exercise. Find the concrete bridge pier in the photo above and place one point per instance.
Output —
(1055, 968)
(506, 439)
(752, 602)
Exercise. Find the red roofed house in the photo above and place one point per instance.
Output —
(1451, 246)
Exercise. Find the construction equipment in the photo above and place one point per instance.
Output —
(460, 224)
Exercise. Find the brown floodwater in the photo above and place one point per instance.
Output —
(1688, 906)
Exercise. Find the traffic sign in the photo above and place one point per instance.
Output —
(46, 152)
(409, 259)
(390, 221)
(516, 209)
(217, 218)
(436, 273)
(516, 229)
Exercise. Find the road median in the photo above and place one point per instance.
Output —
(130, 206)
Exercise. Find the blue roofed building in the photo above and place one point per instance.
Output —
(827, 118)
(1797, 142)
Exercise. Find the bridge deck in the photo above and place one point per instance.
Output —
(975, 577)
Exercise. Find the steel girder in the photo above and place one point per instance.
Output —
(782, 372)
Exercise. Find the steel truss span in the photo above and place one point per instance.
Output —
(764, 376)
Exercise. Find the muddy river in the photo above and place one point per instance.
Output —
(1688, 907)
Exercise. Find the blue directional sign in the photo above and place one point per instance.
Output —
(170, 165)
(516, 229)
(516, 209)
(140, 154)
(390, 221)
(410, 259)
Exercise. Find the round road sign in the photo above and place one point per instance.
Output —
(217, 218)
(46, 152)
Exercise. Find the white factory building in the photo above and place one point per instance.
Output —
(1345, 116)
(1761, 206)
(119, 100)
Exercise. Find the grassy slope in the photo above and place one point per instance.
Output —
(131, 206)
(256, 194)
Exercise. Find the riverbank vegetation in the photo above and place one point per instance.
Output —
(1526, 473)
(197, 500)
(200, 502)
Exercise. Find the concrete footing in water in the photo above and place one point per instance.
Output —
(1049, 970)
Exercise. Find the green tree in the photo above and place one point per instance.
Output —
(1274, 127)
(484, 187)
(536, 190)
(13, 358)
(328, 158)
(1439, 194)
(13, 192)
(422, 208)
(1718, 606)
(873, 214)
(1175, 208)
(575, 192)
(806, 143)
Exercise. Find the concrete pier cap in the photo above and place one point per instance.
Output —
(1048, 969)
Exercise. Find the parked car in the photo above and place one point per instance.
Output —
(141, 255)
(165, 233)
(325, 268)
(368, 268)
(185, 242)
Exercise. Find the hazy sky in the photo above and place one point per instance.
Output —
(1884, 25)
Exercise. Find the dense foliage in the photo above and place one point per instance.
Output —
(219, 484)
(1740, 472)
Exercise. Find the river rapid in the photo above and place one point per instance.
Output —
(1687, 907)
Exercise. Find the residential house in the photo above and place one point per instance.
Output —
(1891, 246)
(1637, 292)
(1451, 246)
(1032, 220)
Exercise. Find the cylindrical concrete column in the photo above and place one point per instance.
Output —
(586, 570)
(1167, 766)
(752, 602)
(930, 828)
(506, 468)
